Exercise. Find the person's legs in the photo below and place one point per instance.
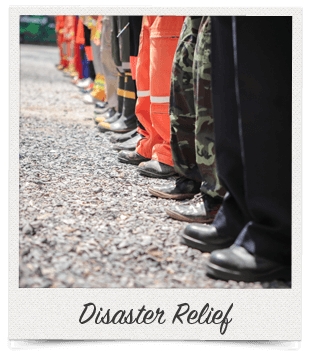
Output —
(164, 36)
(204, 125)
(144, 147)
(142, 110)
(198, 152)
(182, 109)
(182, 117)
(88, 50)
(129, 96)
(109, 67)
(261, 65)
(114, 111)
(264, 76)
(233, 214)
(98, 90)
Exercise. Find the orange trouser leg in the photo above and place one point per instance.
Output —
(164, 36)
(143, 105)
(161, 36)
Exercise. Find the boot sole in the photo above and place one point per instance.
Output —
(202, 246)
(120, 131)
(121, 140)
(103, 129)
(155, 175)
(170, 196)
(227, 274)
(123, 148)
(132, 162)
(180, 217)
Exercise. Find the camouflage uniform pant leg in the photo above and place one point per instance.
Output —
(182, 109)
(204, 131)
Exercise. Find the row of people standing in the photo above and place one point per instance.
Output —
(208, 99)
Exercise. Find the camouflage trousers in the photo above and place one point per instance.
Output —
(191, 119)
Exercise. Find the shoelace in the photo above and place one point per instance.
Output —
(198, 198)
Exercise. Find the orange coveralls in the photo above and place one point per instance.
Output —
(158, 41)
(69, 38)
(59, 29)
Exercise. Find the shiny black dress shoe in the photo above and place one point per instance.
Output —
(205, 238)
(129, 144)
(131, 157)
(156, 169)
(203, 212)
(184, 188)
(106, 121)
(120, 138)
(236, 263)
(121, 125)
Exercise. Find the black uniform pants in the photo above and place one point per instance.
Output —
(87, 34)
(251, 96)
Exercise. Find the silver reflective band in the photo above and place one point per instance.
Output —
(160, 99)
(143, 93)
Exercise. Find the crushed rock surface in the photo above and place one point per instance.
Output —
(86, 220)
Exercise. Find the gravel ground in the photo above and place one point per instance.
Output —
(87, 220)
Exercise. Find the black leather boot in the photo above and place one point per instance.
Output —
(156, 169)
(205, 238)
(103, 126)
(131, 157)
(129, 97)
(236, 263)
(203, 212)
(121, 125)
(120, 138)
(128, 119)
(129, 144)
(183, 188)
(109, 113)
(101, 107)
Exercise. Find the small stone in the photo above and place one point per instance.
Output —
(219, 284)
(123, 244)
(28, 229)
(147, 240)
(97, 190)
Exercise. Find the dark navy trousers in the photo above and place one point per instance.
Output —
(252, 105)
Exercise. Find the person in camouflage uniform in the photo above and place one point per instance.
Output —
(192, 135)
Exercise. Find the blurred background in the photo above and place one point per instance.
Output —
(37, 30)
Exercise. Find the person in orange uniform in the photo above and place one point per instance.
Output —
(158, 41)
(69, 36)
(59, 29)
